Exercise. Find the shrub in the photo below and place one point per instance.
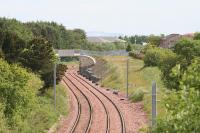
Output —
(157, 56)
(60, 71)
(191, 77)
(18, 90)
(166, 60)
(183, 113)
(188, 49)
(137, 96)
(129, 48)
(136, 54)
(151, 57)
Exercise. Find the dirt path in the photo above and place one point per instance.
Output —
(109, 113)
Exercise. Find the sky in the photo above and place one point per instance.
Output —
(128, 17)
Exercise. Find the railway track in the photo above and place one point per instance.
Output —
(79, 109)
(78, 117)
(105, 109)
(123, 128)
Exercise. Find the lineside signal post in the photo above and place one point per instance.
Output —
(127, 83)
(154, 111)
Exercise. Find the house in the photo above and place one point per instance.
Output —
(170, 40)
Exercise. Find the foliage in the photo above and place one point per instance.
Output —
(103, 46)
(18, 90)
(136, 54)
(16, 27)
(137, 96)
(152, 57)
(58, 35)
(140, 78)
(60, 70)
(183, 113)
(11, 46)
(167, 61)
(137, 51)
(40, 57)
(191, 77)
(137, 39)
(197, 36)
(129, 48)
(44, 116)
(3, 126)
(154, 40)
(188, 49)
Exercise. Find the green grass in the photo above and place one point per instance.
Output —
(42, 119)
(140, 78)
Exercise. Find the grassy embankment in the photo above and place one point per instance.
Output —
(140, 78)
(44, 117)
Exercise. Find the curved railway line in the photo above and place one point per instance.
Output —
(79, 109)
(122, 121)
(73, 129)
(106, 111)
(76, 83)
(99, 95)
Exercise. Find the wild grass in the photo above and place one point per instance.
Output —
(140, 78)
(43, 117)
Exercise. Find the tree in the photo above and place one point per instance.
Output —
(188, 49)
(154, 40)
(183, 113)
(39, 56)
(11, 46)
(191, 77)
(16, 27)
(128, 48)
(197, 36)
(18, 89)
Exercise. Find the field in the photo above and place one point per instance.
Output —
(140, 77)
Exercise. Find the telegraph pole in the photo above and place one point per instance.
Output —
(54, 85)
(54, 80)
(154, 111)
(127, 84)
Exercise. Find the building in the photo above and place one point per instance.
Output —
(170, 40)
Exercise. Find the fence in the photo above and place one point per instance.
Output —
(69, 52)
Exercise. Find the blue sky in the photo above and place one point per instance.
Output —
(112, 16)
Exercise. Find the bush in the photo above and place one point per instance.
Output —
(157, 56)
(151, 57)
(18, 90)
(136, 51)
(183, 113)
(60, 71)
(137, 96)
(129, 48)
(136, 55)
(188, 49)
(166, 60)
(191, 77)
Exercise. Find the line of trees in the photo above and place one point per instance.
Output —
(180, 71)
(140, 39)
(26, 69)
